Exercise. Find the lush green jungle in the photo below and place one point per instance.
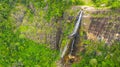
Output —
(18, 50)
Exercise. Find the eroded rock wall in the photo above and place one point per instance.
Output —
(32, 24)
(103, 25)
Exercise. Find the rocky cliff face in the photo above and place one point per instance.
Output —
(106, 26)
(102, 25)
(98, 24)
(31, 23)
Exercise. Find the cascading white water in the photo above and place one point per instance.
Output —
(72, 37)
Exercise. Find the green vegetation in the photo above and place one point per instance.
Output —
(24, 52)
(107, 3)
(98, 54)
(56, 8)
(17, 50)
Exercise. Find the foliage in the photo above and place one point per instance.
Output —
(23, 52)
(115, 4)
(56, 8)
(99, 54)
(108, 3)
(15, 49)
(98, 3)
